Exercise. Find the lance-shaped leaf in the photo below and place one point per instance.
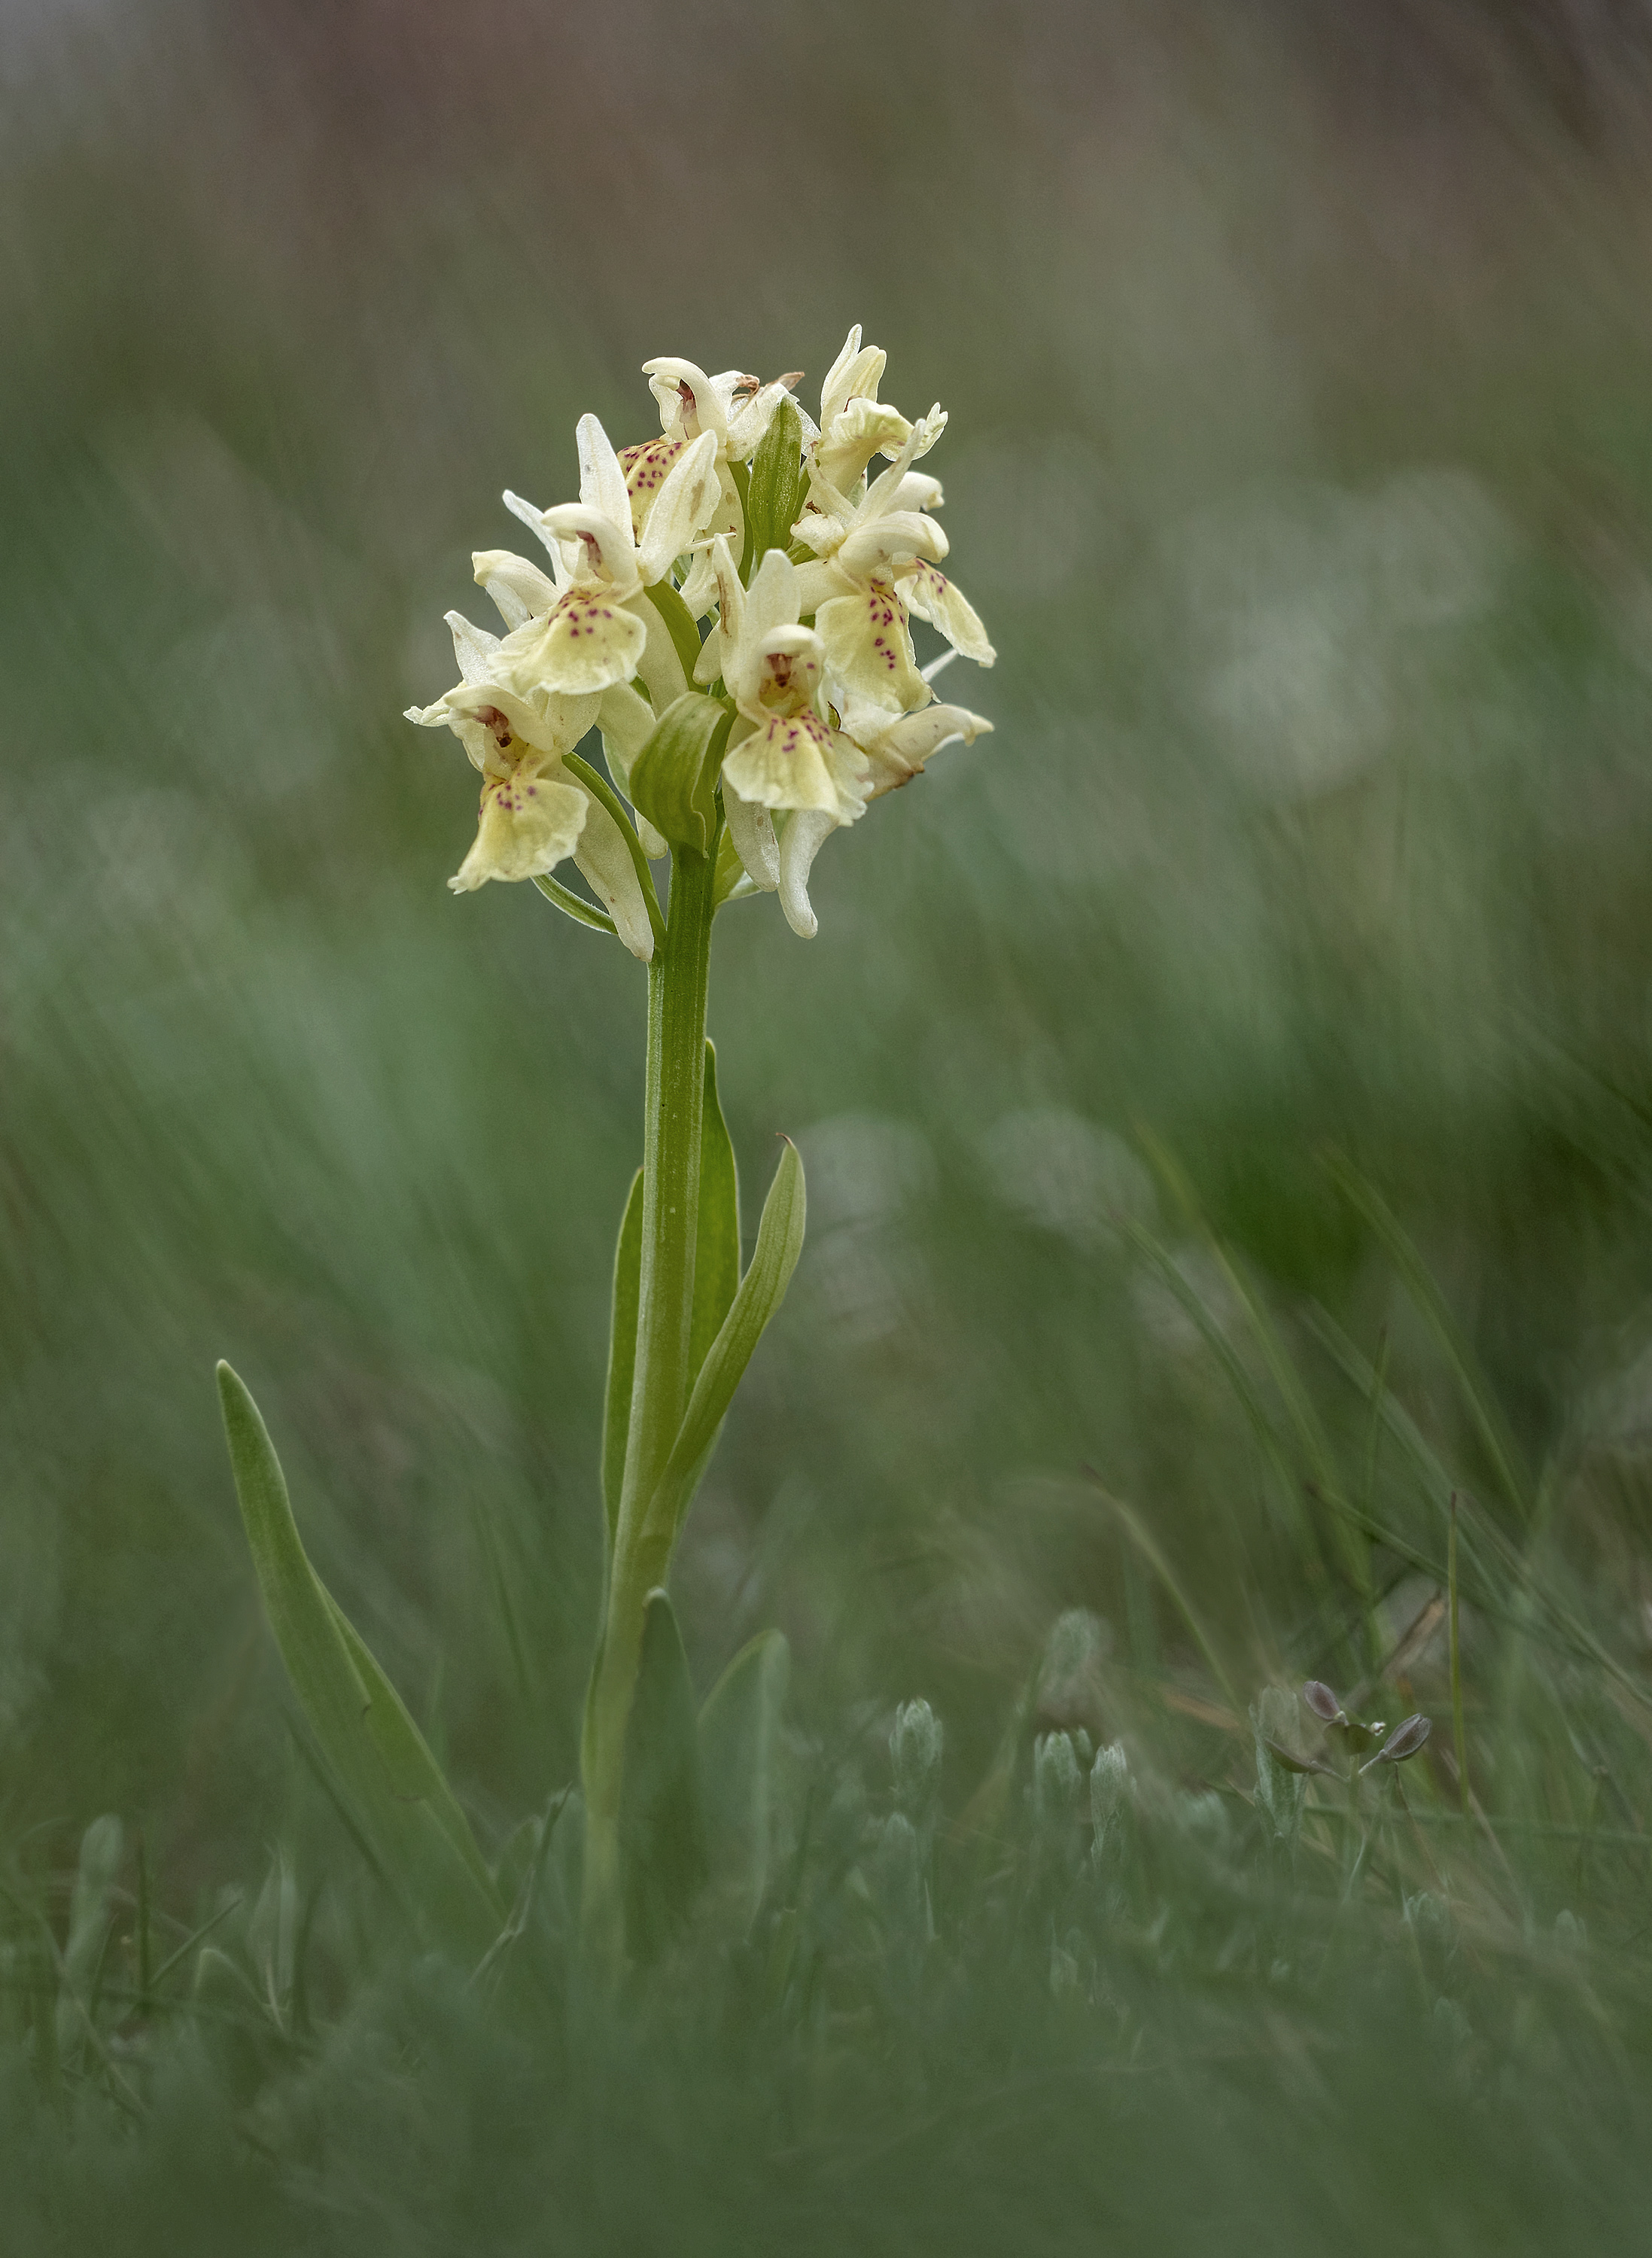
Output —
(674, 777)
(717, 1238)
(774, 496)
(662, 1827)
(622, 1353)
(716, 1280)
(739, 1749)
(761, 1289)
(391, 1783)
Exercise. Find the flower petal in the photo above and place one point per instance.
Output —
(473, 646)
(684, 507)
(934, 598)
(780, 674)
(753, 833)
(699, 592)
(848, 443)
(747, 424)
(802, 840)
(645, 468)
(884, 490)
(589, 642)
(771, 600)
(580, 526)
(708, 408)
(709, 664)
(783, 763)
(533, 518)
(868, 649)
(604, 860)
(898, 747)
(659, 670)
(601, 480)
(519, 588)
(817, 582)
(529, 823)
(482, 746)
(626, 721)
(549, 722)
(899, 538)
(857, 372)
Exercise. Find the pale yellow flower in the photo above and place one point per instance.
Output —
(534, 813)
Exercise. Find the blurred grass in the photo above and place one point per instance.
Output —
(1300, 464)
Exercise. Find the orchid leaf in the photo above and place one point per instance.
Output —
(674, 777)
(739, 1749)
(384, 1771)
(717, 1238)
(622, 1353)
(662, 1825)
(761, 1290)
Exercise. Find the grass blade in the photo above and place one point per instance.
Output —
(1496, 1440)
(1136, 1530)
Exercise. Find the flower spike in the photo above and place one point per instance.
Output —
(809, 648)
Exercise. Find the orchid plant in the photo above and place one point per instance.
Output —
(729, 605)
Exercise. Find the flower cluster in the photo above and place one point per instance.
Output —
(669, 582)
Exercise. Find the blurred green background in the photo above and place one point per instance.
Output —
(1300, 462)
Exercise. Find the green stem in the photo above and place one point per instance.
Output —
(569, 904)
(642, 1539)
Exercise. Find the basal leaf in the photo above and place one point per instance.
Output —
(739, 1747)
(375, 1753)
(622, 1352)
(717, 1242)
(662, 1825)
(415, 1776)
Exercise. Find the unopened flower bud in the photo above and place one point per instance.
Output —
(1323, 1701)
(1109, 1785)
(916, 1742)
(1056, 1780)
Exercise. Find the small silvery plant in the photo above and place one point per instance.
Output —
(727, 605)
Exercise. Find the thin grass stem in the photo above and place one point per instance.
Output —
(1458, 1739)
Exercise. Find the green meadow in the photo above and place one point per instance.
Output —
(1224, 1093)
